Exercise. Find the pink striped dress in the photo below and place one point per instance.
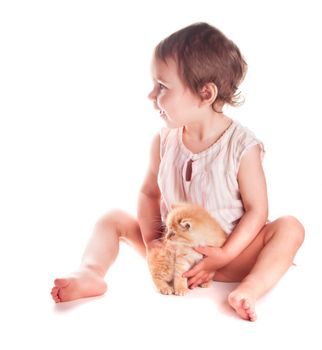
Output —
(208, 178)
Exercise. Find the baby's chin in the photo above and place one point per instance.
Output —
(171, 125)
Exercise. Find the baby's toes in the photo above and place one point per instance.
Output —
(55, 294)
(250, 311)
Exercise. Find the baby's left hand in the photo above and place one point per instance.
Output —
(204, 271)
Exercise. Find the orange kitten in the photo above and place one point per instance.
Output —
(187, 226)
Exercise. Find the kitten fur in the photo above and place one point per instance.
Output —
(187, 226)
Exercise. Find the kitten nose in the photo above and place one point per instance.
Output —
(170, 234)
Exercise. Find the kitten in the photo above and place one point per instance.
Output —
(187, 226)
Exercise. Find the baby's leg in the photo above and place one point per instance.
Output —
(262, 264)
(100, 253)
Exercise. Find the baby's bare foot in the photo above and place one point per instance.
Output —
(243, 302)
(82, 284)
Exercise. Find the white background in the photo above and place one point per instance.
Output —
(75, 131)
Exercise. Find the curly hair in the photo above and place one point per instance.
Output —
(203, 55)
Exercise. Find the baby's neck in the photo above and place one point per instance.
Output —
(198, 137)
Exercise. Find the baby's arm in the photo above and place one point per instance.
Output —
(252, 186)
(149, 197)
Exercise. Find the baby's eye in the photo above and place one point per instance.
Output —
(161, 86)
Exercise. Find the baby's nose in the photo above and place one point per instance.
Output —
(152, 95)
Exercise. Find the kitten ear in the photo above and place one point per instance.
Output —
(185, 224)
(175, 205)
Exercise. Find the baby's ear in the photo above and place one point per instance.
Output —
(209, 93)
(185, 224)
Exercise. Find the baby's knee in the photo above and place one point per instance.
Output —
(119, 222)
(112, 219)
(295, 227)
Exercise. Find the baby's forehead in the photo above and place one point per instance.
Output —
(164, 67)
(166, 72)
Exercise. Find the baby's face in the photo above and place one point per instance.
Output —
(177, 104)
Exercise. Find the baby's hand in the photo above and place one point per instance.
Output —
(204, 271)
(217, 255)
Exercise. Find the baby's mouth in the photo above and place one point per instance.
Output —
(162, 114)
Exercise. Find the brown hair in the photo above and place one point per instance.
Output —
(203, 55)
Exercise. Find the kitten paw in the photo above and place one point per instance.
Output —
(166, 290)
(205, 285)
(181, 291)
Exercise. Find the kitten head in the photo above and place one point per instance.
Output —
(190, 224)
